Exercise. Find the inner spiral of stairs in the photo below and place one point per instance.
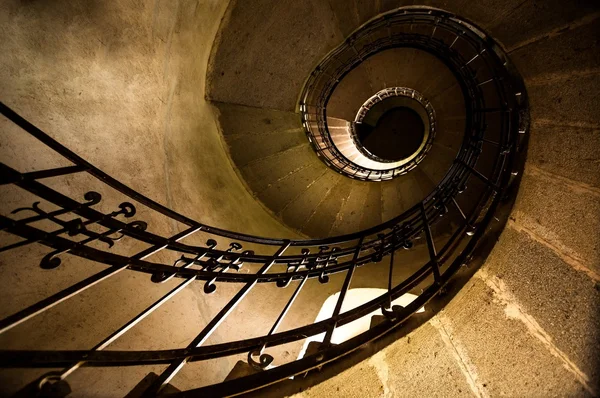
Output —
(283, 172)
(396, 135)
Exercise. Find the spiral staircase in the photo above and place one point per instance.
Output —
(187, 186)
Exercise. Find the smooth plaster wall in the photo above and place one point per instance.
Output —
(121, 83)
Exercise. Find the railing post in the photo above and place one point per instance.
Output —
(431, 246)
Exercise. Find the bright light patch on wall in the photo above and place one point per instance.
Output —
(353, 299)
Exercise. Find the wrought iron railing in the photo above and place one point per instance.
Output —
(428, 116)
(465, 49)
(448, 224)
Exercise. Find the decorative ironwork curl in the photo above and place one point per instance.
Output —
(264, 360)
(78, 226)
(161, 277)
(215, 264)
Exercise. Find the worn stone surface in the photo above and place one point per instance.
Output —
(572, 100)
(486, 13)
(437, 163)
(267, 43)
(419, 365)
(399, 195)
(535, 19)
(350, 15)
(262, 173)
(571, 51)
(253, 133)
(282, 192)
(350, 214)
(562, 215)
(349, 95)
(401, 67)
(371, 213)
(321, 221)
(502, 350)
(564, 301)
(451, 132)
(346, 384)
(299, 211)
(568, 151)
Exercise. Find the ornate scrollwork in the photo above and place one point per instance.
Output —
(183, 262)
(293, 267)
(92, 198)
(77, 226)
(264, 360)
(322, 261)
(215, 264)
(441, 206)
(379, 253)
(402, 235)
(392, 313)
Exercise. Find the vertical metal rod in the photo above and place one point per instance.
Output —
(490, 142)
(472, 59)
(487, 81)
(176, 366)
(459, 209)
(123, 329)
(480, 176)
(345, 286)
(455, 39)
(391, 266)
(430, 245)
(288, 306)
(137, 319)
(41, 306)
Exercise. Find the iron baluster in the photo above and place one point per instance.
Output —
(215, 263)
(41, 306)
(430, 245)
(480, 176)
(58, 376)
(265, 360)
(345, 287)
(176, 366)
(391, 272)
(162, 277)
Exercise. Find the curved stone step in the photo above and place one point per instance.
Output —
(350, 93)
(298, 212)
(281, 169)
(244, 68)
(321, 221)
(348, 218)
(253, 133)
(400, 194)
(408, 67)
(437, 162)
(286, 190)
